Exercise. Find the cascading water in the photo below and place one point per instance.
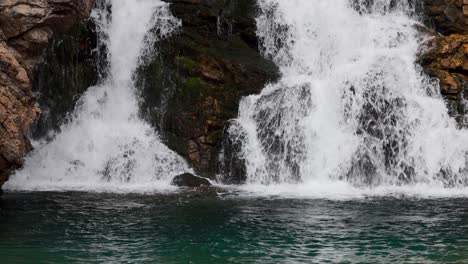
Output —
(106, 145)
(352, 105)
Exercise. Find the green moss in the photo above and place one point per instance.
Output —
(174, 91)
(187, 63)
(196, 84)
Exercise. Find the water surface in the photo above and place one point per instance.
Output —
(74, 227)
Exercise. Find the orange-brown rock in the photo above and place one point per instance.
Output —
(25, 30)
(445, 56)
(447, 59)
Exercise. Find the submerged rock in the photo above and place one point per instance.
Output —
(190, 180)
(26, 28)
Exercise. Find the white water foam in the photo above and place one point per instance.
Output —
(341, 190)
(353, 113)
(106, 146)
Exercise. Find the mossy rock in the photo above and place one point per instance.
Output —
(194, 85)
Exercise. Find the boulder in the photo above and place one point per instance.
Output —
(190, 180)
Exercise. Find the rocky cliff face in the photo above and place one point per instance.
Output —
(26, 27)
(446, 55)
(194, 85)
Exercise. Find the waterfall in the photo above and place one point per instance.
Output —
(352, 106)
(106, 145)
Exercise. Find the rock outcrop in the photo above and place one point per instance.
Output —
(190, 180)
(448, 16)
(445, 56)
(194, 85)
(447, 59)
(26, 28)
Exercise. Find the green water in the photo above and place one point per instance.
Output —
(186, 228)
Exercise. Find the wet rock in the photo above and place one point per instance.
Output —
(74, 61)
(190, 180)
(234, 170)
(198, 76)
(445, 55)
(448, 16)
(25, 30)
(447, 59)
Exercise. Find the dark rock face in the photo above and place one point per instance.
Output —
(194, 84)
(71, 66)
(233, 168)
(448, 16)
(25, 30)
(190, 180)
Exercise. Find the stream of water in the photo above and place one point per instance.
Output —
(106, 146)
(352, 106)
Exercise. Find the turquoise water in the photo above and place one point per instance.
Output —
(191, 228)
